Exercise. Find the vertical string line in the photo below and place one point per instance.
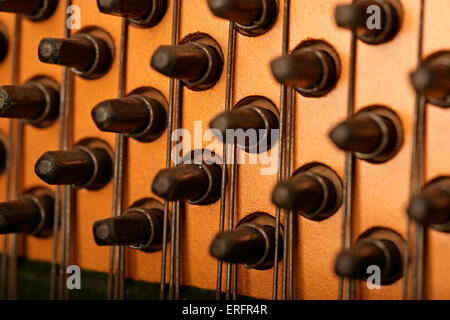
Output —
(9, 157)
(67, 198)
(223, 187)
(287, 229)
(175, 227)
(117, 201)
(175, 237)
(58, 195)
(283, 93)
(175, 35)
(347, 205)
(416, 177)
(289, 214)
(231, 206)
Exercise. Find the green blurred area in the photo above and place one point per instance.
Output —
(34, 284)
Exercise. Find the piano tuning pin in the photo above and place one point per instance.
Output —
(432, 79)
(34, 10)
(3, 44)
(31, 213)
(197, 183)
(312, 68)
(382, 248)
(197, 61)
(141, 115)
(37, 101)
(374, 21)
(89, 53)
(141, 13)
(87, 165)
(139, 227)
(252, 243)
(315, 191)
(252, 17)
(432, 206)
(374, 134)
(252, 113)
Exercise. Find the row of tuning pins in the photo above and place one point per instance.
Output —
(374, 134)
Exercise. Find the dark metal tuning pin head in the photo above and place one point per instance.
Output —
(372, 136)
(138, 227)
(250, 124)
(197, 62)
(3, 45)
(251, 243)
(432, 79)
(312, 69)
(32, 213)
(139, 116)
(243, 245)
(252, 17)
(88, 53)
(432, 206)
(75, 52)
(315, 191)
(141, 13)
(243, 12)
(84, 166)
(35, 10)
(37, 101)
(382, 253)
(374, 21)
(185, 62)
(301, 69)
(197, 183)
(361, 134)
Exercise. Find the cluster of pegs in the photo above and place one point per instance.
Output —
(312, 69)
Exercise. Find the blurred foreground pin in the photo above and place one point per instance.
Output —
(432, 79)
(35, 10)
(141, 13)
(374, 134)
(252, 17)
(32, 213)
(374, 21)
